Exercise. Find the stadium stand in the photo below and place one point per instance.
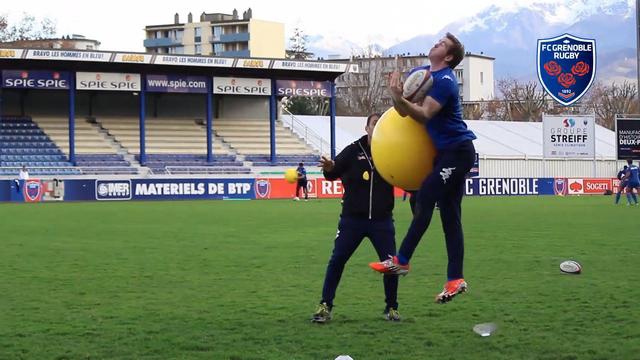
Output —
(94, 154)
(87, 138)
(194, 164)
(252, 137)
(173, 146)
(23, 143)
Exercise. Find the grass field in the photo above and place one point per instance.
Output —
(240, 279)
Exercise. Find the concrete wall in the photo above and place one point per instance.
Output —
(242, 107)
(266, 39)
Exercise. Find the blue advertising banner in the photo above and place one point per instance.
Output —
(35, 79)
(159, 189)
(177, 84)
(303, 88)
(5, 190)
(210, 189)
(566, 66)
(509, 186)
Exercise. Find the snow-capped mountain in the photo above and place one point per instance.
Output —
(510, 35)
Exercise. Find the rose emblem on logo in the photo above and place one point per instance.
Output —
(580, 69)
(552, 68)
(566, 80)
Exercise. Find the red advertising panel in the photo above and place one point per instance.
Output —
(273, 188)
(270, 188)
(588, 186)
(596, 186)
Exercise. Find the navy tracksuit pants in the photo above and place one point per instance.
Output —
(445, 185)
(351, 231)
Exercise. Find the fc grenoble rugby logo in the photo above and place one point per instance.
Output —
(566, 67)
(262, 188)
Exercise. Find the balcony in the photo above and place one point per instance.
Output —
(230, 38)
(238, 53)
(160, 42)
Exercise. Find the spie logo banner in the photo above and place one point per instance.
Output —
(566, 66)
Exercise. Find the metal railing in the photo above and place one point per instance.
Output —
(185, 170)
(308, 135)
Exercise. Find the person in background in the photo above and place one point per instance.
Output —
(302, 183)
(623, 182)
(633, 178)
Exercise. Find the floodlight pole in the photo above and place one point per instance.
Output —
(332, 119)
(72, 118)
(142, 112)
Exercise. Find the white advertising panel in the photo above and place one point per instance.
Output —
(107, 81)
(569, 136)
(241, 86)
(56, 54)
(193, 60)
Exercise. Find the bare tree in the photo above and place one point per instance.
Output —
(28, 28)
(525, 101)
(298, 46)
(473, 110)
(497, 110)
(363, 90)
(609, 100)
(3, 28)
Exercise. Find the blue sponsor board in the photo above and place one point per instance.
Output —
(5, 190)
(303, 88)
(509, 186)
(35, 79)
(159, 189)
(177, 84)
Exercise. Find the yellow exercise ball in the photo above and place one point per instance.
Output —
(291, 175)
(402, 150)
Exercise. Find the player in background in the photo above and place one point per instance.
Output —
(623, 183)
(633, 179)
(302, 183)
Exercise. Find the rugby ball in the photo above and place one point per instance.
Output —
(570, 267)
(417, 85)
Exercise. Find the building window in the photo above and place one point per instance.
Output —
(179, 49)
(481, 78)
(198, 35)
(217, 31)
(218, 49)
(198, 49)
(179, 34)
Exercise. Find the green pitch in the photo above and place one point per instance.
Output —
(239, 280)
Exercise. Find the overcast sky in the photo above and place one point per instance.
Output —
(119, 24)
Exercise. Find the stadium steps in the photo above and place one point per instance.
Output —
(117, 146)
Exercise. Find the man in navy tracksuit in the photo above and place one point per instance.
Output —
(441, 112)
(366, 212)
